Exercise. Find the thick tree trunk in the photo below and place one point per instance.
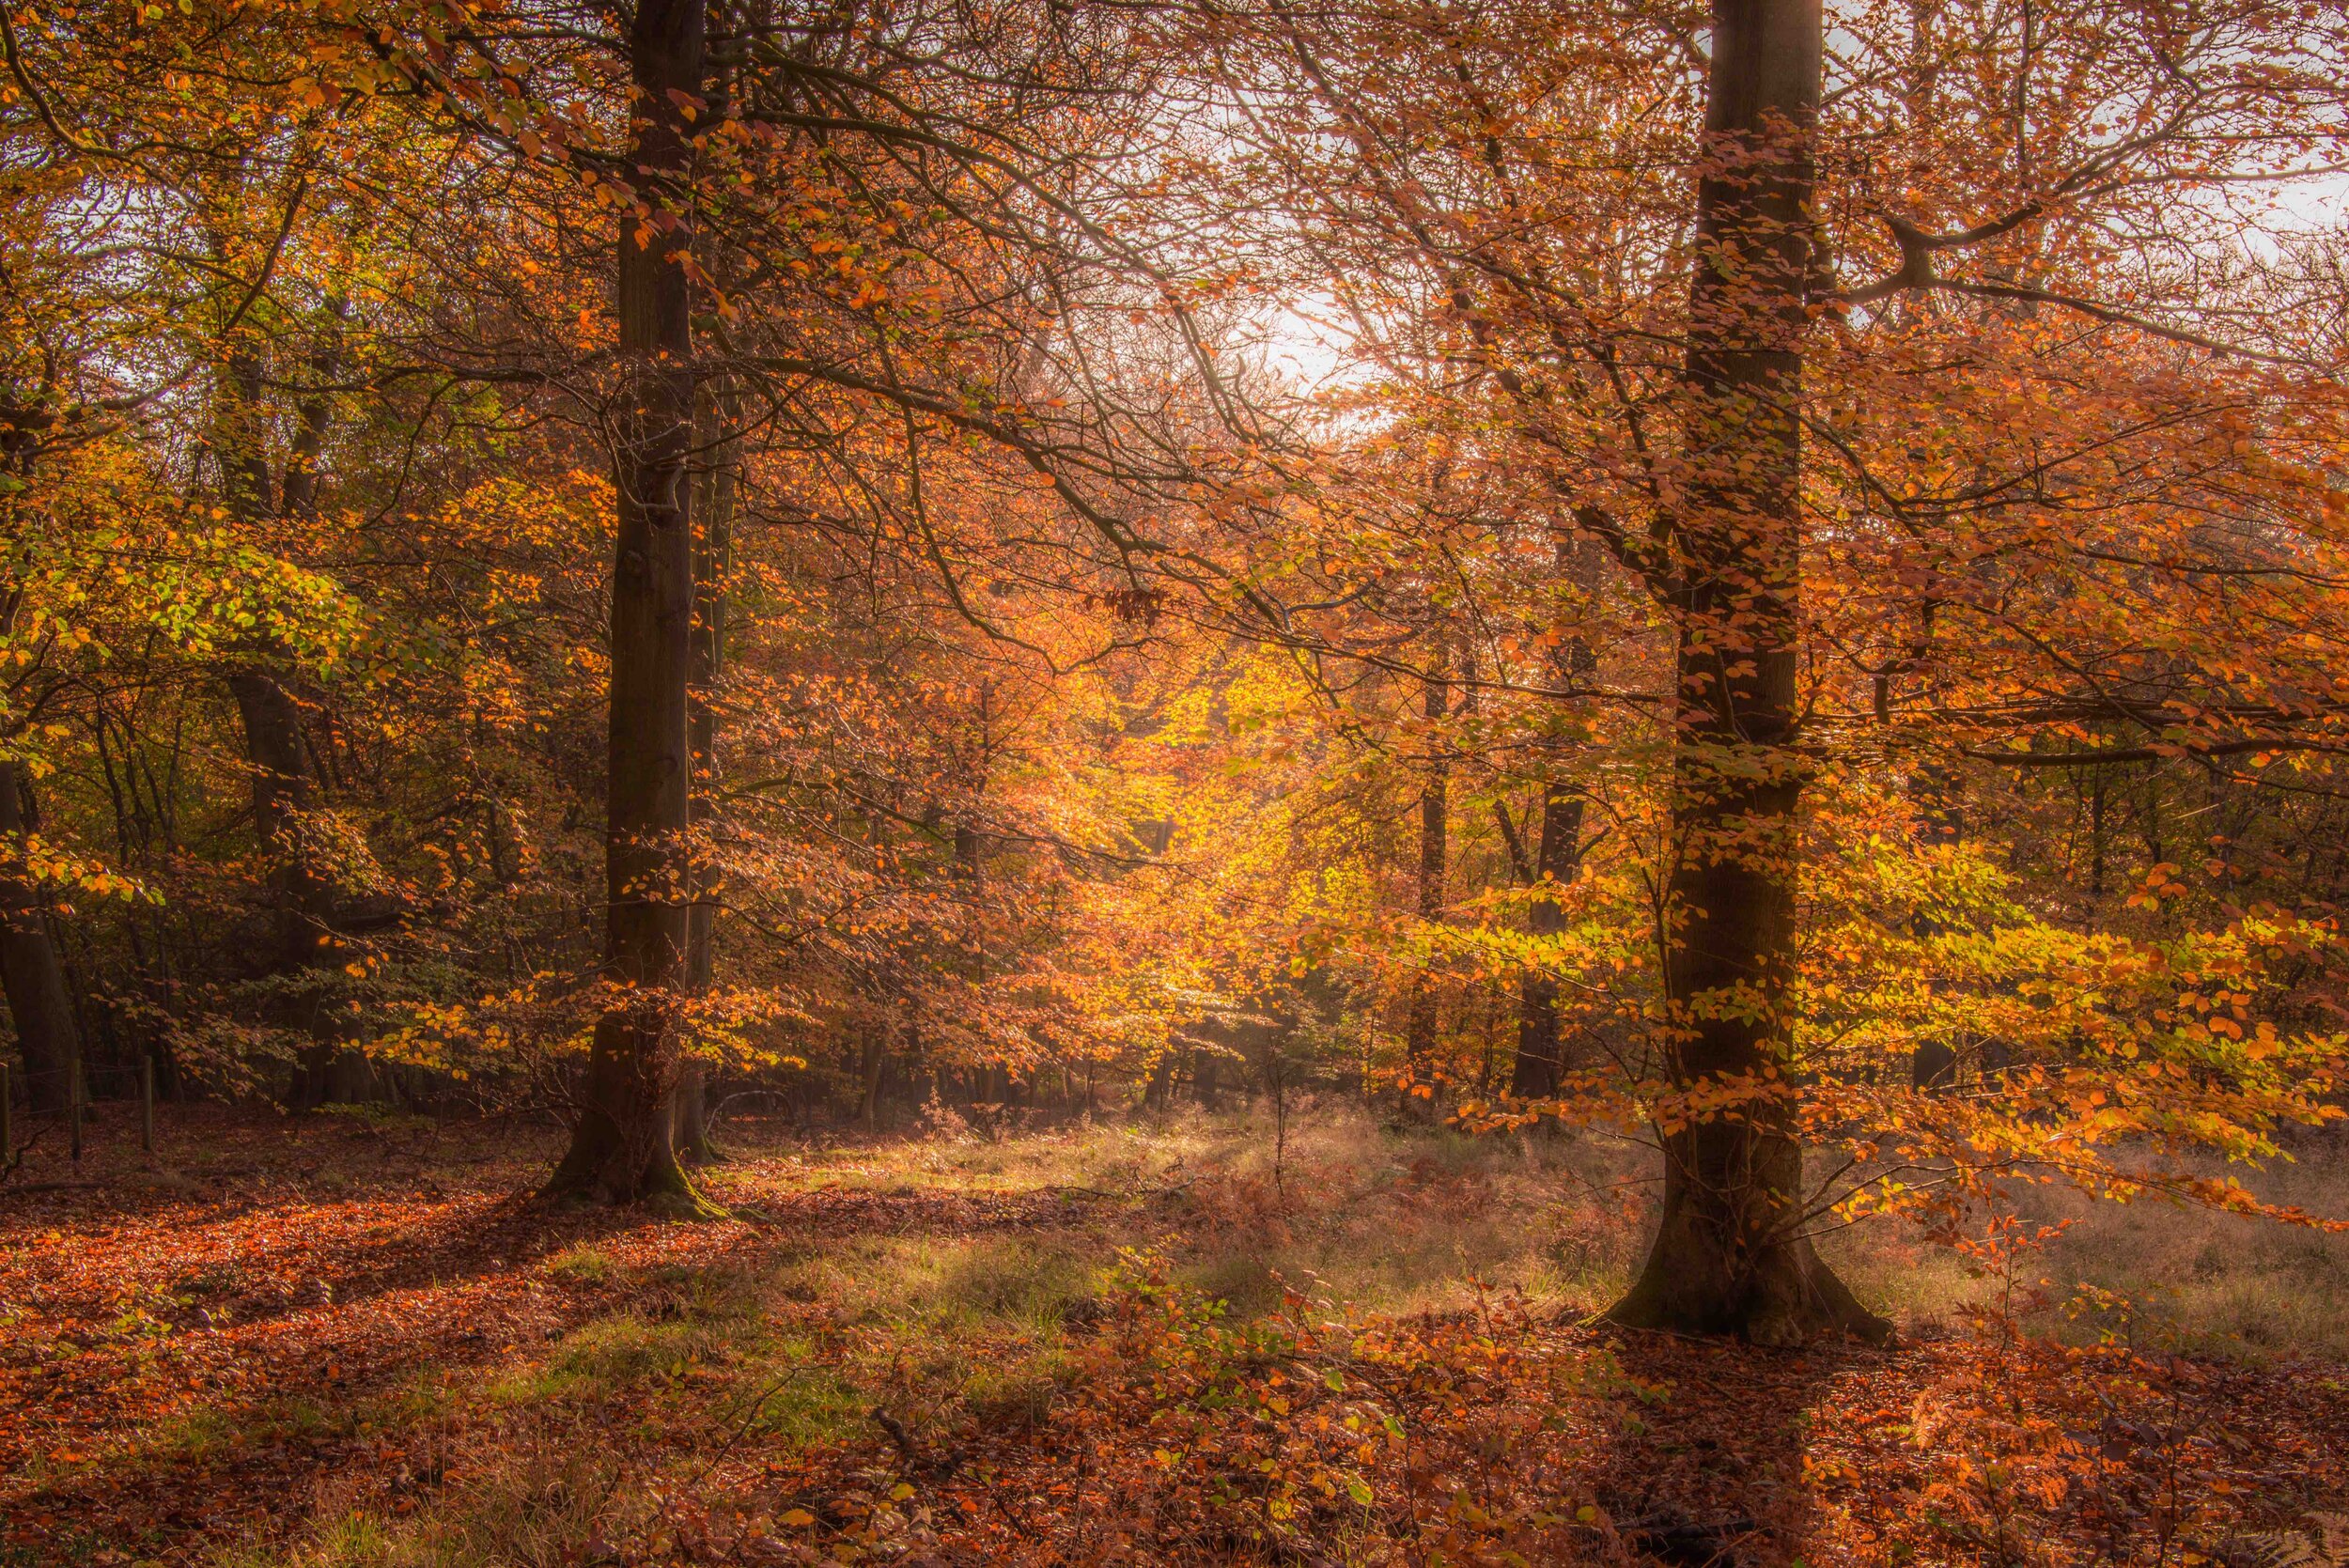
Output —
(30, 973)
(1731, 1253)
(689, 1129)
(622, 1150)
(302, 934)
(1419, 1034)
(262, 686)
(298, 495)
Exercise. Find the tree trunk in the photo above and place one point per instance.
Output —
(2095, 838)
(1541, 1061)
(689, 1124)
(1541, 1056)
(622, 1150)
(30, 973)
(1419, 1034)
(868, 1108)
(1731, 1253)
(272, 718)
(281, 792)
(713, 558)
(301, 903)
(1933, 1064)
(298, 494)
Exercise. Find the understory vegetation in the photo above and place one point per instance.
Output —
(344, 1342)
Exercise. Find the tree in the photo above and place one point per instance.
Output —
(47, 1036)
(1804, 487)
(1737, 469)
(718, 474)
(623, 1149)
(1538, 1069)
(1423, 1082)
(1731, 1254)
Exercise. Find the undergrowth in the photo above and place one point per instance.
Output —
(1100, 1342)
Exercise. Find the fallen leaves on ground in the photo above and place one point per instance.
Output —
(245, 1354)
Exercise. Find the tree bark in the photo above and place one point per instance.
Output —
(713, 558)
(271, 717)
(622, 1150)
(303, 937)
(689, 1129)
(1540, 1061)
(868, 1107)
(1731, 1253)
(303, 930)
(1933, 1064)
(30, 973)
(298, 492)
(1418, 1037)
(281, 792)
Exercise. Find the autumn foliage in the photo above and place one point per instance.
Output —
(1763, 581)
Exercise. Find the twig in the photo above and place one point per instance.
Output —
(12, 1160)
(933, 1469)
(749, 1416)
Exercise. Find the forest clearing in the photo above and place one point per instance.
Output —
(1183, 782)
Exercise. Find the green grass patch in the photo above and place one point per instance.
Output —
(580, 1265)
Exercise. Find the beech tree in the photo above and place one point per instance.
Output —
(1691, 325)
(623, 1148)
(1731, 1253)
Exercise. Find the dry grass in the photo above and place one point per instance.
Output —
(1397, 1221)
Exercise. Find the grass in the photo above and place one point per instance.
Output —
(207, 1433)
(1398, 1222)
(957, 1332)
(547, 1505)
(584, 1264)
(2221, 1283)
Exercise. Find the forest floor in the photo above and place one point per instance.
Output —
(342, 1340)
